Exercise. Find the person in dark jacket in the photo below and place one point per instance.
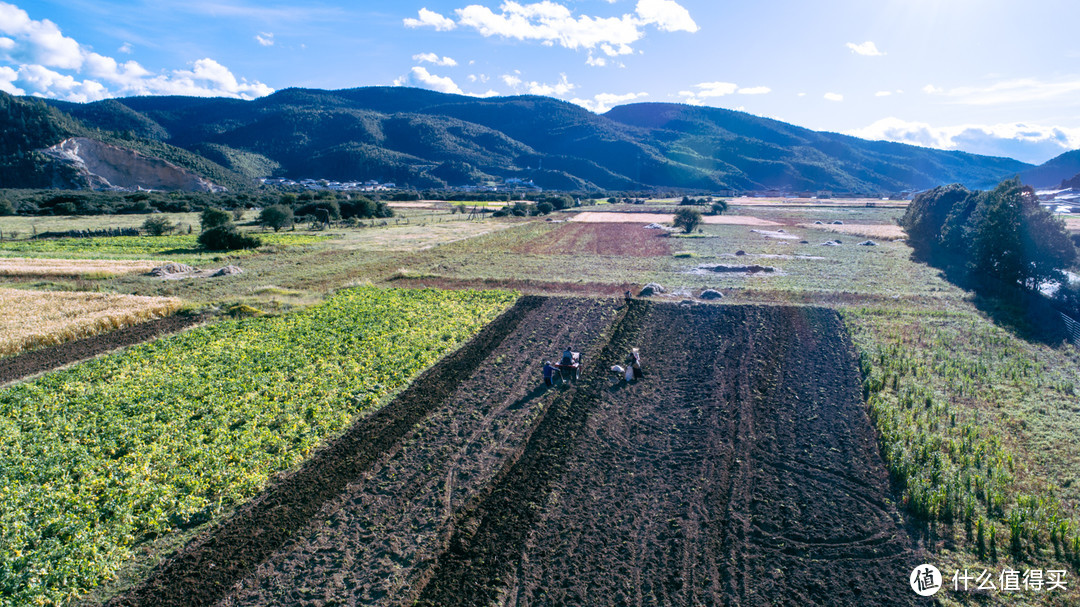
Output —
(549, 373)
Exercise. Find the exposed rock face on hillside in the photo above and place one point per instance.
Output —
(101, 166)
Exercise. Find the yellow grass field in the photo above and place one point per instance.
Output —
(606, 217)
(103, 268)
(881, 231)
(32, 319)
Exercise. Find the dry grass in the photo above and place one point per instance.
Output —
(104, 268)
(818, 202)
(605, 217)
(33, 319)
(882, 231)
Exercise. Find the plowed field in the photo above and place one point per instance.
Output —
(742, 470)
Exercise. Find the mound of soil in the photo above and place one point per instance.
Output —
(39, 361)
(749, 269)
(651, 289)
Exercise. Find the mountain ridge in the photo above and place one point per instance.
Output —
(427, 139)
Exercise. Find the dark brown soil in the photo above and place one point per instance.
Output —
(618, 239)
(742, 470)
(38, 361)
(533, 287)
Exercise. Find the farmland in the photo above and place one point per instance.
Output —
(849, 414)
(33, 319)
(100, 456)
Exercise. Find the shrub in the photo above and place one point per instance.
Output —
(687, 219)
(719, 207)
(227, 238)
(158, 226)
(276, 217)
(6, 208)
(544, 208)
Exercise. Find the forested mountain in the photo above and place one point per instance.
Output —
(426, 139)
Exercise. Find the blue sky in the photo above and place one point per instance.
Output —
(988, 76)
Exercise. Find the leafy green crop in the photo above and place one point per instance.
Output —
(136, 246)
(164, 435)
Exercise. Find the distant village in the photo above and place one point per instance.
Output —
(512, 184)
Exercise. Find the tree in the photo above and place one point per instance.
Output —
(687, 219)
(276, 217)
(719, 207)
(158, 226)
(214, 218)
(6, 208)
(544, 208)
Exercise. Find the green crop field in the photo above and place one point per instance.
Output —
(165, 435)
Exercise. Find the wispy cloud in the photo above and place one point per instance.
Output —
(551, 24)
(126, 48)
(1027, 142)
(265, 38)
(1020, 90)
(50, 64)
(866, 49)
(834, 97)
(429, 18)
(434, 59)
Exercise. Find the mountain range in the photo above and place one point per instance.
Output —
(425, 139)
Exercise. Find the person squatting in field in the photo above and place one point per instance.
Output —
(634, 362)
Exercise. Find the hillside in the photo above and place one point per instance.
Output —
(1053, 172)
(426, 139)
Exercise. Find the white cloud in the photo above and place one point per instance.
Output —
(605, 101)
(126, 48)
(435, 59)
(883, 93)
(710, 90)
(596, 61)
(667, 15)
(265, 38)
(511, 80)
(1021, 90)
(867, 49)
(42, 55)
(755, 90)
(431, 19)
(421, 78)
(36, 42)
(834, 96)
(551, 24)
(1027, 142)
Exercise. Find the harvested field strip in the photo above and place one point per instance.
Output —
(882, 231)
(206, 569)
(489, 541)
(20, 266)
(34, 319)
(742, 470)
(16, 367)
(609, 217)
(395, 519)
(625, 240)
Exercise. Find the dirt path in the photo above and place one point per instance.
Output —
(16, 367)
